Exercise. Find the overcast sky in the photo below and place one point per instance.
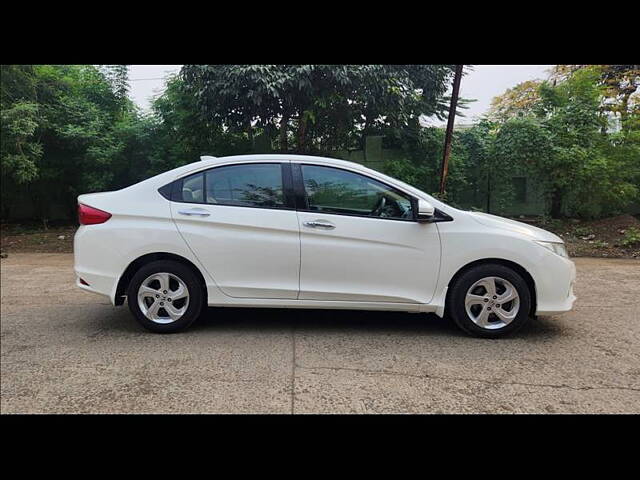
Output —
(484, 83)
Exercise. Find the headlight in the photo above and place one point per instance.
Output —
(557, 248)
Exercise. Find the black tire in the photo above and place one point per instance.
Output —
(458, 291)
(184, 273)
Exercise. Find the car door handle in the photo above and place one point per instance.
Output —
(198, 212)
(319, 224)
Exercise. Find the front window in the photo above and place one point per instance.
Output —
(333, 190)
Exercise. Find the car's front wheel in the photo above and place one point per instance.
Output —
(489, 300)
(165, 296)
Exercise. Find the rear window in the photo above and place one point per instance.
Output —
(249, 185)
(253, 185)
(192, 190)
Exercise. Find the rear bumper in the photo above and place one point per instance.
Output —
(88, 288)
(95, 263)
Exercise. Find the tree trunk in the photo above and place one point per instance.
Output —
(302, 132)
(42, 205)
(488, 193)
(449, 132)
(72, 207)
(556, 204)
(249, 130)
(5, 206)
(367, 124)
(284, 123)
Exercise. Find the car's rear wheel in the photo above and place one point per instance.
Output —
(490, 300)
(165, 296)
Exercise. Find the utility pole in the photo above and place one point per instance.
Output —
(447, 138)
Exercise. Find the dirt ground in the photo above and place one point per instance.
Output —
(34, 239)
(598, 238)
(65, 350)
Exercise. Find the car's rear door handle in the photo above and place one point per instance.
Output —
(320, 224)
(197, 212)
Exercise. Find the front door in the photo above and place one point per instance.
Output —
(243, 229)
(359, 241)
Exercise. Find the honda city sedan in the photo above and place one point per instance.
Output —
(292, 231)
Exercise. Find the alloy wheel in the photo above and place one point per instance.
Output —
(163, 297)
(492, 303)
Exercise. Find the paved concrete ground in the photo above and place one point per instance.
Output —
(64, 350)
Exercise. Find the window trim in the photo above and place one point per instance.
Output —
(285, 174)
(302, 199)
(295, 194)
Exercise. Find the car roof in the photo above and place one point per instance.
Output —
(278, 157)
(208, 161)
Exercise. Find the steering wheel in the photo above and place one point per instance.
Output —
(377, 210)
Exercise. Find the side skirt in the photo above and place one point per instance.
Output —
(321, 304)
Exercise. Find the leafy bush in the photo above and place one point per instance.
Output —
(582, 231)
(631, 237)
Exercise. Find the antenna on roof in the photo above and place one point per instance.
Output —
(206, 157)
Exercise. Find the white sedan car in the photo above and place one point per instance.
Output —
(291, 231)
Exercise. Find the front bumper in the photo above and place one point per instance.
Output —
(555, 279)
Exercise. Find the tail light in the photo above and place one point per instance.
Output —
(91, 216)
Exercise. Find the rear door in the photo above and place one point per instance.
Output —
(359, 240)
(241, 223)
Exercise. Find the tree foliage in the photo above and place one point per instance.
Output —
(180, 133)
(562, 139)
(619, 88)
(317, 107)
(118, 78)
(71, 129)
(557, 133)
(516, 102)
(19, 146)
(66, 130)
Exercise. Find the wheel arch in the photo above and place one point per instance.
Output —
(135, 265)
(500, 261)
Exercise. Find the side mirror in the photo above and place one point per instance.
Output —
(425, 211)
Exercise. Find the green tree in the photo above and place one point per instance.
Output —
(563, 142)
(518, 101)
(181, 135)
(619, 88)
(316, 107)
(570, 114)
(422, 150)
(20, 147)
(523, 144)
(66, 130)
(118, 78)
(20, 150)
